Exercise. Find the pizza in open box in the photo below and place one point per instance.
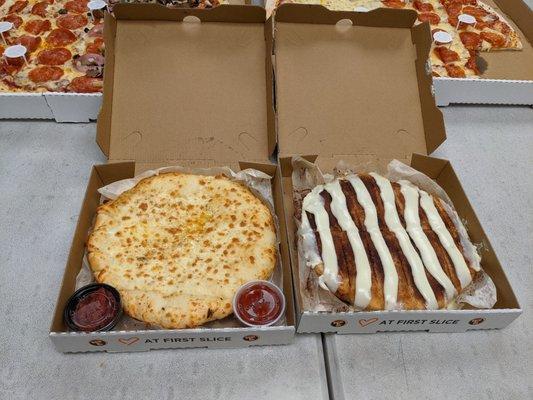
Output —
(178, 246)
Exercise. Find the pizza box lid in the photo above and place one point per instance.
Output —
(353, 86)
(194, 92)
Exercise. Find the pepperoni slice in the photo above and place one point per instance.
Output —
(78, 6)
(18, 6)
(71, 21)
(61, 37)
(97, 31)
(85, 84)
(96, 47)
(57, 56)
(454, 9)
(14, 19)
(500, 26)
(476, 12)
(30, 42)
(39, 9)
(45, 74)
(10, 65)
(495, 39)
(471, 40)
(421, 6)
(454, 71)
(471, 63)
(446, 55)
(453, 21)
(393, 3)
(2, 2)
(37, 26)
(430, 17)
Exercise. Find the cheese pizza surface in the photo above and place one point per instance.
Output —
(178, 246)
(457, 57)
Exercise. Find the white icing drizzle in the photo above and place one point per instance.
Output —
(445, 238)
(414, 228)
(308, 241)
(392, 220)
(363, 278)
(390, 284)
(314, 203)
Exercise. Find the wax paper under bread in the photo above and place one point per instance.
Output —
(481, 293)
(257, 181)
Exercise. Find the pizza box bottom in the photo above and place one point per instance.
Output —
(143, 340)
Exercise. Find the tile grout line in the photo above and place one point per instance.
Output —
(333, 380)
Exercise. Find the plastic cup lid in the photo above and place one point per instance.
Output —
(5, 26)
(96, 5)
(466, 19)
(361, 9)
(15, 51)
(442, 37)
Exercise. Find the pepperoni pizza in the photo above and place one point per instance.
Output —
(456, 58)
(64, 42)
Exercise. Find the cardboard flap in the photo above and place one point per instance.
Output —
(355, 90)
(192, 91)
(316, 14)
(157, 12)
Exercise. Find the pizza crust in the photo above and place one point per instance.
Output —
(178, 246)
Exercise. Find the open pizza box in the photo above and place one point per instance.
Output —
(367, 101)
(508, 78)
(208, 104)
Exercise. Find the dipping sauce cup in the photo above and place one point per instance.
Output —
(93, 308)
(259, 303)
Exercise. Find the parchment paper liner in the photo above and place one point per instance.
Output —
(258, 182)
(481, 293)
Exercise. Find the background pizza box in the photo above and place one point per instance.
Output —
(61, 107)
(348, 115)
(508, 78)
(209, 104)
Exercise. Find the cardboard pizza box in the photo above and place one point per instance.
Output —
(357, 90)
(61, 107)
(191, 93)
(508, 78)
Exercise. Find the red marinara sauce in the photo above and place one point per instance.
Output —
(259, 303)
(93, 308)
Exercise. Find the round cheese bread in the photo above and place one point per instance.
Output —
(178, 246)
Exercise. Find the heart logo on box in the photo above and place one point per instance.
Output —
(365, 322)
(129, 341)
